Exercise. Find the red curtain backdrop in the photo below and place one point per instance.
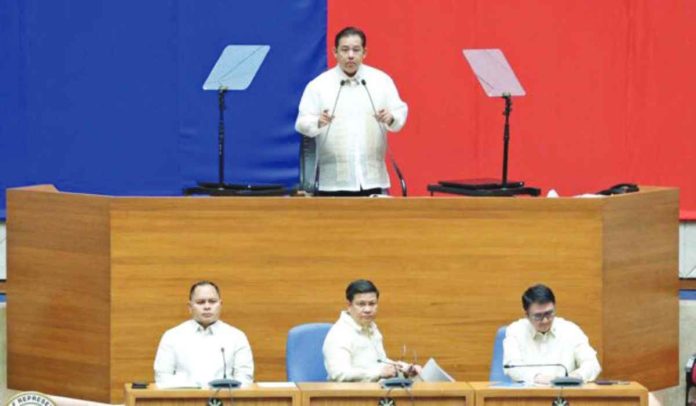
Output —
(610, 89)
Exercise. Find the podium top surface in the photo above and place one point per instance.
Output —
(48, 188)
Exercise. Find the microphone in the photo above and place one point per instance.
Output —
(224, 363)
(224, 382)
(410, 366)
(559, 381)
(328, 128)
(402, 181)
(396, 382)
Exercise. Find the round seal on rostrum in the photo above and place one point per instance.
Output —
(30, 399)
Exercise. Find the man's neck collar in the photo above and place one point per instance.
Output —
(355, 324)
(550, 332)
(357, 76)
(201, 327)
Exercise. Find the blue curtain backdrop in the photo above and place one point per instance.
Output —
(103, 96)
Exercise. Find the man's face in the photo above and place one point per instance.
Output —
(541, 316)
(363, 308)
(350, 53)
(205, 305)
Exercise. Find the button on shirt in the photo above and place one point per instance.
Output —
(351, 352)
(351, 153)
(564, 343)
(190, 355)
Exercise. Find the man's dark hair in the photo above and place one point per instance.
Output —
(539, 294)
(360, 286)
(350, 31)
(202, 283)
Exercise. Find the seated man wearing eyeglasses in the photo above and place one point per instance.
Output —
(543, 338)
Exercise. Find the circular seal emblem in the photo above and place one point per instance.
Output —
(386, 401)
(30, 399)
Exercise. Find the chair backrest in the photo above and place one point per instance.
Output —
(304, 360)
(497, 373)
(308, 164)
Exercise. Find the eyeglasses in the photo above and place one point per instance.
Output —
(545, 315)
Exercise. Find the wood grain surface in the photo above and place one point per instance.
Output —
(450, 271)
(58, 293)
(252, 395)
(369, 394)
(631, 394)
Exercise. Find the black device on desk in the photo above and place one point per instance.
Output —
(620, 189)
(224, 383)
(396, 383)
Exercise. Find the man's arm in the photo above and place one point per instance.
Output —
(588, 367)
(337, 360)
(243, 368)
(397, 108)
(165, 363)
(512, 355)
(308, 118)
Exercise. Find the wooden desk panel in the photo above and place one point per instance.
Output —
(640, 281)
(368, 394)
(113, 273)
(282, 262)
(632, 394)
(253, 395)
(58, 282)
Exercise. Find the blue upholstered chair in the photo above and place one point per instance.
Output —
(304, 360)
(497, 373)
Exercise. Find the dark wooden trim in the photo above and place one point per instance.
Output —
(687, 283)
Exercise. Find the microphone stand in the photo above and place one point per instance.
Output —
(220, 188)
(402, 181)
(224, 382)
(488, 187)
(220, 184)
(328, 128)
(506, 137)
(396, 382)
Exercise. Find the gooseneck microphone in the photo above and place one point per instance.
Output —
(560, 381)
(328, 128)
(224, 363)
(224, 382)
(402, 181)
(396, 382)
(340, 87)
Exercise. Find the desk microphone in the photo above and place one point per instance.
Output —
(559, 381)
(328, 128)
(402, 181)
(396, 382)
(224, 382)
